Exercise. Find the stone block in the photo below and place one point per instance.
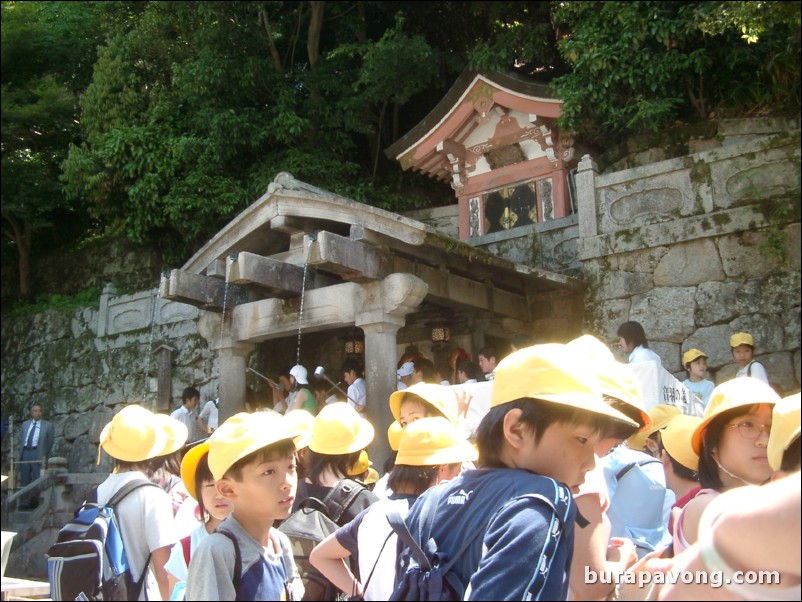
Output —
(620, 284)
(791, 328)
(666, 313)
(798, 366)
(645, 260)
(669, 353)
(689, 264)
(779, 367)
(742, 256)
(716, 302)
(75, 424)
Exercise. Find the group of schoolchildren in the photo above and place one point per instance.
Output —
(521, 511)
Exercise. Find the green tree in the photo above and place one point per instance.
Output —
(639, 66)
(48, 49)
(192, 112)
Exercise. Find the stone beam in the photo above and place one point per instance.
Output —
(350, 259)
(324, 308)
(276, 278)
(202, 291)
(466, 291)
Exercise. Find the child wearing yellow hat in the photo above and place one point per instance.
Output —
(680, 462)
(252, 459)
(731, 442)
(422, 400)
(695, 363)
(784, 441)
(515, 514)
(431, 450)
(213, 509)
(742, 345)
(394, 432)
(139, 441)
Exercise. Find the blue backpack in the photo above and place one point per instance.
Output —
(88, 561)
(424, 572)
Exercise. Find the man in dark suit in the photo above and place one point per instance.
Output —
(36, 443)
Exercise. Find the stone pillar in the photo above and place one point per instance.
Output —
(233, 355)
(586, 198)
(231, 388)
(381, 310)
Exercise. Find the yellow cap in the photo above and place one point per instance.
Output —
(394, 435)
(136, 434)
(614, 380)
(676, 438)
(552, 373)
(339, 430)
(241, 435)
(189, 466)
(741, 338)
(362, 463)
(785, 420)
(691, 355)
(735, 393)
(660, 414)
(302, 421)
(435, 395)
(433, 441)
(372, 476)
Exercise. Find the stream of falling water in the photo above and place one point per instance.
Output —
(233, 258)
(154, 298)
(312, 239)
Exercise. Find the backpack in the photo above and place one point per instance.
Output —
(88, 561)
(427, 575)
(637, 507)
(315, 520)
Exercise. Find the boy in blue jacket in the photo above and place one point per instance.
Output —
(510, 524)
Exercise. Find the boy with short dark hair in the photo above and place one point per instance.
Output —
(510, 524)
(252, 458)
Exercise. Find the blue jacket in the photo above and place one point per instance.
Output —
(528, 546)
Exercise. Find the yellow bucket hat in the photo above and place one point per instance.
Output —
(614, 380)
(660, 415)
(339, 429)
(136, 434)
(435, 395)
(677, 440)
(394, 435)
(241, 435)
(362, 464)
(432, 441)
(302, 421)
(742, 338)
(735, 393)
(189, 466)
(553, 373)
(693, 354)
(785, 420)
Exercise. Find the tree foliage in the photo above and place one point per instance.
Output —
(48, 50)
(189, 109)
(639, 66)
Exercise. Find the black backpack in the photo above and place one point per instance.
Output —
(88, 561)
(315, 520)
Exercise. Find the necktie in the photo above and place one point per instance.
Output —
(29, 442)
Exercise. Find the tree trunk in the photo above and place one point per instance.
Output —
(21, 235)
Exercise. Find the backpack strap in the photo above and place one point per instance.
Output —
(123, 491)
(185, 543)
(341, 497)
(288, 562)
(400, 528)
(375, 564)
(237, 557)
(632, 465)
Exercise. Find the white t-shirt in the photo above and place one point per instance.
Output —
(146, 523)
(177, 564)
(644, 354)
(358, 394)
(754, 369)
(209, 414)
